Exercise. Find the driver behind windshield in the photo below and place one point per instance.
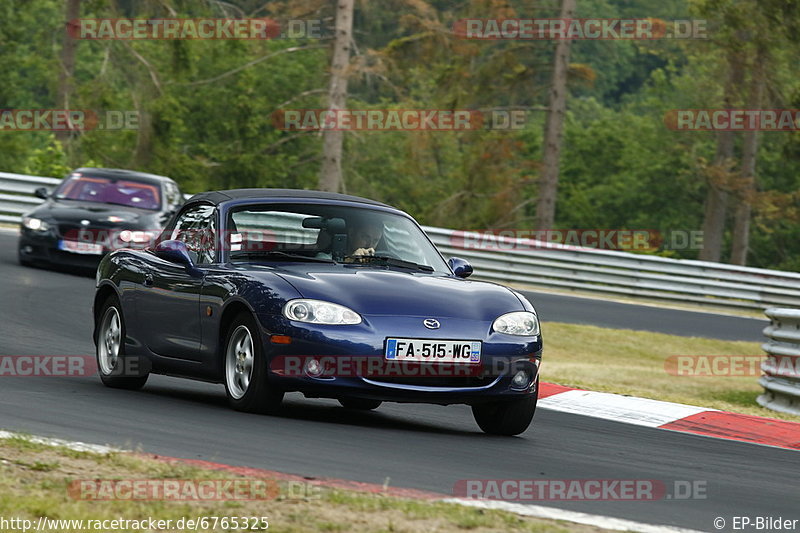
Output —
(363, 235)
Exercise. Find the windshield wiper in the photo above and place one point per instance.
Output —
(273, 254)
(393, 261)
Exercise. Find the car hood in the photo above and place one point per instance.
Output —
(70, 211)
(389, 292)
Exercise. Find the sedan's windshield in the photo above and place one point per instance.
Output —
(107, 191)
(355, 236)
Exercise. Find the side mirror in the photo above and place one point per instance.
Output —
(460, 267)
(175, 252)
(42, 193)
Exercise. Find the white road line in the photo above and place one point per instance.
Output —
(538, 511)
(627, 409)
(72, 445)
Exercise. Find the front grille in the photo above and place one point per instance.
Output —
(69, 229)
(450, 382)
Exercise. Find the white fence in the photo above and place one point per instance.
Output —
(781, 381)
(556, 266)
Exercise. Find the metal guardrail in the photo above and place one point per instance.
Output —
(20, 201)
(557, 266)
(781, 379)
(620, 273)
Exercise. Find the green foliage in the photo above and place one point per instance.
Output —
(206, 109)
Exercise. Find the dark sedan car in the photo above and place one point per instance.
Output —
(94, 211)
(270, 291)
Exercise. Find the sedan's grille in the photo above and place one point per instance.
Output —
(69, 229)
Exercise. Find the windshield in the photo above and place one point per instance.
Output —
(357, 236)
(108, 191)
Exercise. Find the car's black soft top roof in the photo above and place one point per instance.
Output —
(117, 173)
(217, 197)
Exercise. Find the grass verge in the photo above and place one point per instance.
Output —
(35, 478)
(633, 363)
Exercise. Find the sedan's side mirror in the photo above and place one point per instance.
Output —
(41, 192)
(175, 252)
(460, 267)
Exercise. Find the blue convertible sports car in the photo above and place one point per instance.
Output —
(271, 291)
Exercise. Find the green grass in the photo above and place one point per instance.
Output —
(34, 479)
(633, 363)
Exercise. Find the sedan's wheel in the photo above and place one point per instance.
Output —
(506, 417)
(246, 377)
(115, 368)
(359, 404)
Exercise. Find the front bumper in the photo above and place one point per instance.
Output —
(42, 247)
(354, 357)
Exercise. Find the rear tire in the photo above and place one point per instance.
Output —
(245, 369)
(506, 417)
(359, 404)
(116, 370)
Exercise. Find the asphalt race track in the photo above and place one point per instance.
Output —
(415, 446)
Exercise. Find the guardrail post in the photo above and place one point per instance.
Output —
(781, 379)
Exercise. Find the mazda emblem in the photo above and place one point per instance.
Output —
(431, 323)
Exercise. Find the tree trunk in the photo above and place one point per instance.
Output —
(554, 126)
(741, 226)
(65, 74)
(717, 195)
(330, 177)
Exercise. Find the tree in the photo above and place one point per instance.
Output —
(741, 227)
(330, 177)
(720, 174)
(67, 70)
(548, 183)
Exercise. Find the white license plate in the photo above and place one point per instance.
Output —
(80, 247)
(433, 351)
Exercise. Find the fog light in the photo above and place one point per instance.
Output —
(313, 368)
(521, 380)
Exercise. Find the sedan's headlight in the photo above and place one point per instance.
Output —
(319, 312)
(35, 224)
(523, 323)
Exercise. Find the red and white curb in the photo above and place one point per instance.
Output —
(671, 416)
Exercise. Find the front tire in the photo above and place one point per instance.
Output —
(116, 370)
(506, 417)
(246, 376)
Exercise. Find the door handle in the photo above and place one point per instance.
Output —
(148, 280)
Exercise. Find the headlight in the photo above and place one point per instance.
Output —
(35, 224)
(319, 312)
(138, 237)
(523, 323)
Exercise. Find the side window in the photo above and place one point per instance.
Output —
(197, 228)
